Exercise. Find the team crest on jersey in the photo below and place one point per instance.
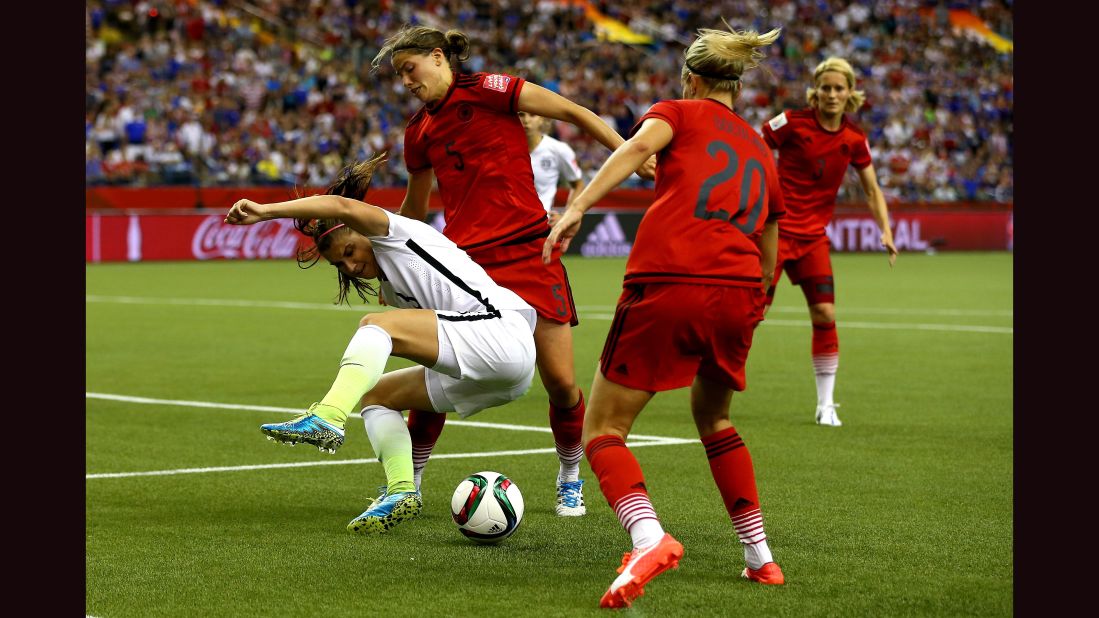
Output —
(547, 164)
(465, 111)
(496, 82)
(845, 149)
(778, 122)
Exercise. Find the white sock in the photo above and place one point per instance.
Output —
(757, 555)
(568, 473)
(825, 366)
(635, 513)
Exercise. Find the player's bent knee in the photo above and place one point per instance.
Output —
(822, 313)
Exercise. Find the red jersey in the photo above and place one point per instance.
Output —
(811, 163)
(716, 185)
(474, 141)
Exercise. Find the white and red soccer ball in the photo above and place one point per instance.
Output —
(487, 507)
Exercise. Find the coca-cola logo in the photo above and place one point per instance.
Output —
(270, 239)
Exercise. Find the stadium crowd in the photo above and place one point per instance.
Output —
(281, 91)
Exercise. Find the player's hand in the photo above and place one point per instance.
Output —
(553, 217)
(245, 212)
(887, 242)
(648, 168)
(562, 233)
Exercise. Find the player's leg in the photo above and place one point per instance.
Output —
(731, 466)
(731, 315)
(612, 410)
(818, 286)
(553, 341)
(408, 333)
(385, 427)
(641, 356)
(425, 429)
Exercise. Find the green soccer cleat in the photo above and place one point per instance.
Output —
(387, 511)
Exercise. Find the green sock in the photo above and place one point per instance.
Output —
(360, 369)
(392, 444)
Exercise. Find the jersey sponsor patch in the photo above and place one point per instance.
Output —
(496, 82)
(777, 122)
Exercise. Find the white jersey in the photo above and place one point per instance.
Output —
(419, 268)
(552, 159)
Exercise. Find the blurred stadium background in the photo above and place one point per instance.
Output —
(280, 92)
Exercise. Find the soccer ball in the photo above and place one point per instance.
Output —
(487, 507)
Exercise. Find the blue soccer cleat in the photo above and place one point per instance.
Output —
(387, 511)
(570, 498)
(308, 428)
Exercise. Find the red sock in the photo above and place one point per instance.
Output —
(731, 466)
(425, 428)
(825, 339)
(567, 425)
(620, 479)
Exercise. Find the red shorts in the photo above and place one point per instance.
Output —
(664, 334)
(544, 287)
(808, 263)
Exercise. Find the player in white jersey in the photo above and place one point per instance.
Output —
(552, 160)
(474, 338)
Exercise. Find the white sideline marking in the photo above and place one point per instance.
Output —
(226, 302)
(306, 464)
(252, 408)
(1007, 330)
(637, 440)
(801, 309)
(276, 304)
(214, 302)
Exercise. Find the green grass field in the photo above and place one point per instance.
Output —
(905, 510)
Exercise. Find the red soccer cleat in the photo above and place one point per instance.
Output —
(638, 568)
(767, 574)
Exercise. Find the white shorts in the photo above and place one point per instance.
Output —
(482, 363)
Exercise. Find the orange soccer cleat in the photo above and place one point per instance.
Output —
(767, 574)
(638, 568)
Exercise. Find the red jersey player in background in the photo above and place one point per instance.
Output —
(692, 296)
(815, 146)
(468, 136)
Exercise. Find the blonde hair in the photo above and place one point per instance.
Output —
(722, 57)
(841, 66)
(423, 40)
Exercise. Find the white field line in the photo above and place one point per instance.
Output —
(961, 328)
(587, 314)
(801, 309)
(306, 464)
(275, 304)
(637, 440)
(252, 408)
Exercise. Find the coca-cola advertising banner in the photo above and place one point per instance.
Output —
(137, 237)
(115, 238)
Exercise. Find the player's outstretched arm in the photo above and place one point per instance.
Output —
(653, 135)
(535, 99)
(875, 199)
(364, 218)
(417, 195)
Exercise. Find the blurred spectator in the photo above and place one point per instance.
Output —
(280, 90)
